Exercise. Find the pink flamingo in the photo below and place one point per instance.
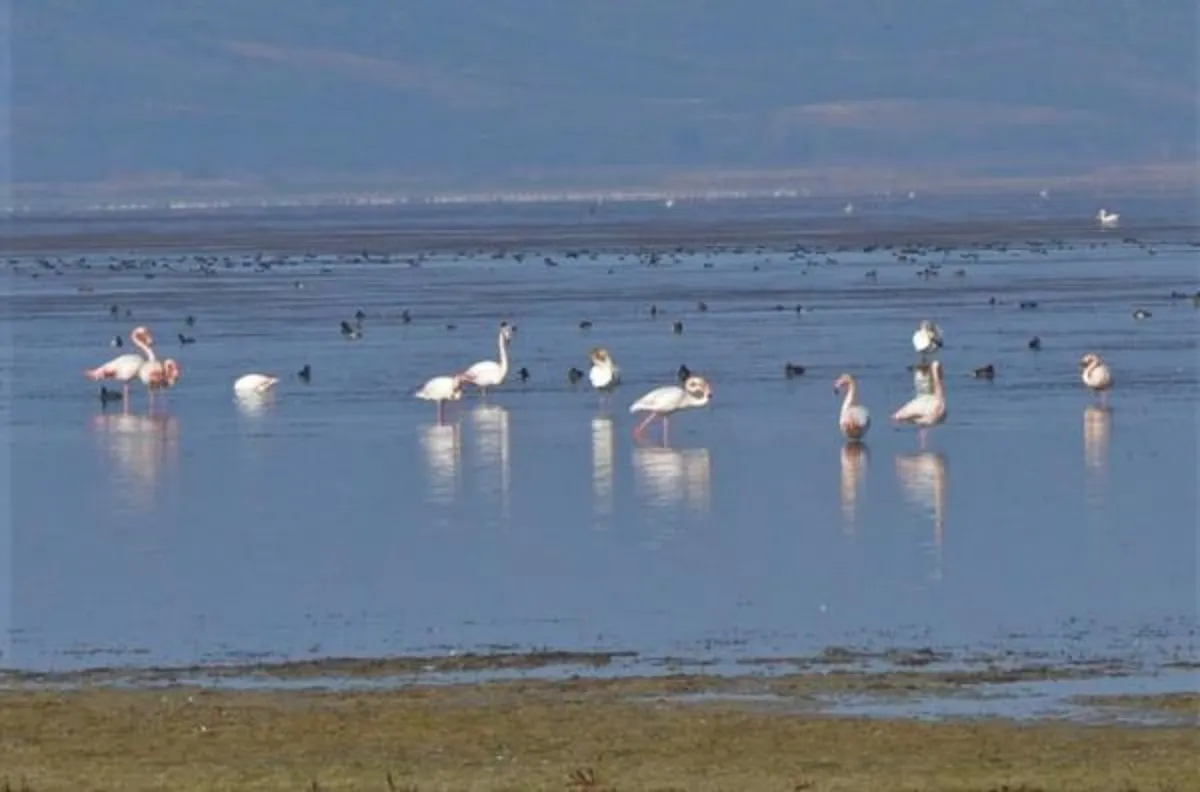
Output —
(125, 368)
(663, 402)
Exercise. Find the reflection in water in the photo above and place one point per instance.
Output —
(923, 478)
(254, 404)
(602, 465)
(492, 438)
(670, 477)
(442, 444)
(142, 446)
(1097, 425)
(854, 474)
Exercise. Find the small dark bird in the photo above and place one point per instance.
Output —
(352, 333)
(702, 306)
(654, 310)
(405, 316)
(359, 315)
(585, 325)
(186, 339)
(683, 373)
(114, 312)
(117, 342)
(1141, 314)
(985, 372)
(574, 375)
(190, 321)
(451, 327)
(791, 370)
(1035, 343)
(523, 374)
(1028, 305)
(305, 373)
(677, 326)
(108, 396)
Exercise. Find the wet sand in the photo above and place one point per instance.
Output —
(574, 734)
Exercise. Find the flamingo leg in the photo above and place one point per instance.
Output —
(666, 429)
(126, 392)
(921, 435)
(637, 432)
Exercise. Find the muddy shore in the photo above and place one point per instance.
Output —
(571, 734)
(160, 729)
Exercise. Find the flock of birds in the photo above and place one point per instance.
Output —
(926, 409)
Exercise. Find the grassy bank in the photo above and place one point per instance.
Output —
(546, 735)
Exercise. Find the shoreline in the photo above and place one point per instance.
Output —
(572, 733)
(241, 235)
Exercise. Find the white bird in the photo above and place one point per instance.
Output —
(1107, 219)
(441, 390)
(1096, 374)
(854, 420)
(927, 338)
(926, 409)
(254, 383)
(125, 368)
(488, 373)
(604, 374)
(664, 401)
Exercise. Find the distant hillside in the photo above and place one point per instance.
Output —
(464, 91)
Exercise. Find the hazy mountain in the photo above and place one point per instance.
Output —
(467, 92)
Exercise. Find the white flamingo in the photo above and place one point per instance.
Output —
(926, 409)
(927, 338)
(488, 373)
(663, 402)
(604, 374)
(441, 390)
(1108, 219)
(854, 419)
(125, 368)
(254, 383)
(1096, 374)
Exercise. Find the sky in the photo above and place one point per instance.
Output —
(465, 93)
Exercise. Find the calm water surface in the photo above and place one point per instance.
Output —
(336, 518)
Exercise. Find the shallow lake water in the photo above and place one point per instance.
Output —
(337, 518)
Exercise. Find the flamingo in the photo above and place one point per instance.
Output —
(441, 390)
(254, 383)
(488, 373)
(125, 368)
(927, 338)
(604, 374)
(1096, 374)
(663, 402)
(1107, 219)
(854, 420)
(926, 409)
(158, 374)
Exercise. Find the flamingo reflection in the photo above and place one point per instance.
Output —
(922, 478)
(1097, 426)
(442, 444)
(492, 435)
(142, 446)
(602, 465)
(854, 473)
(253, 404)
(670, 477)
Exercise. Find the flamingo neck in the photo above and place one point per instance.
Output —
(146, 349)
(503, 344)
(851, 395)
(938, 390)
